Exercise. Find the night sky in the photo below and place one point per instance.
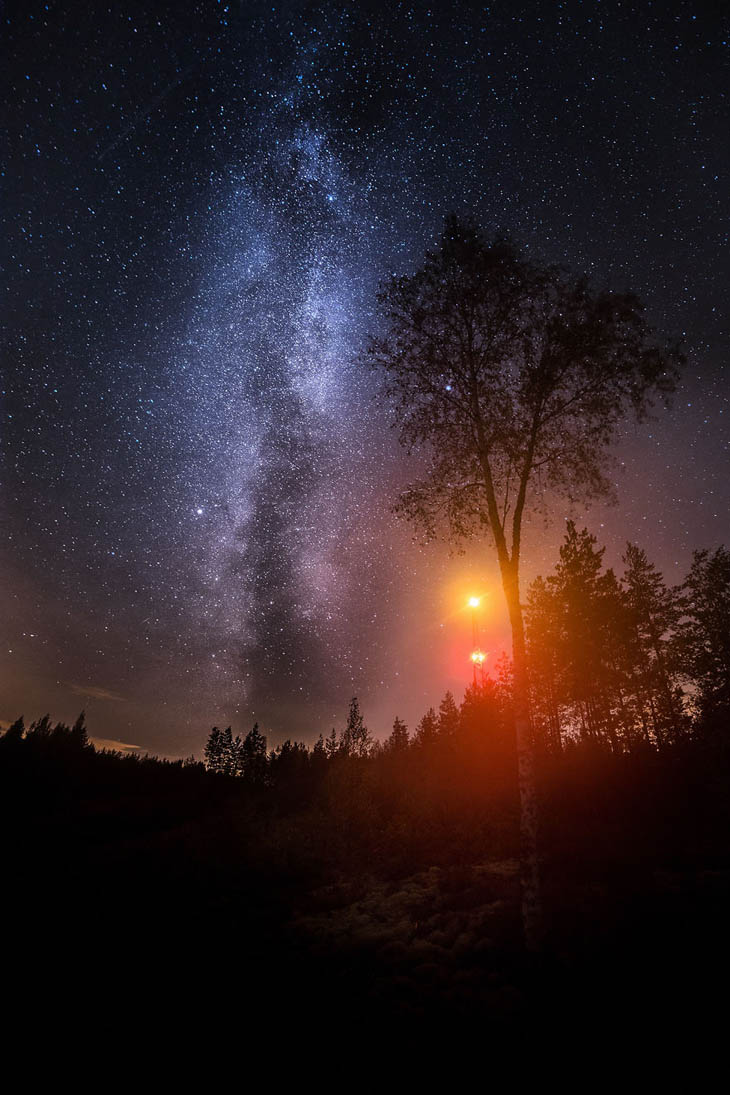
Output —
(198, 202)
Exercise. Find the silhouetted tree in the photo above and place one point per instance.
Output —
(289, 766)
(427, 730)
(704, 641)
(588, 601)
(222, 753)
(356, 737)
(14, 733)
(481, 716)
(515, 378)
(213, 751)
(544, 637)
(40, 730)
(448, 718)
(254, 761)
(602, 658)
(78, 732)
(398, 740)
(654, 612)
(581, 650)
(229, 760)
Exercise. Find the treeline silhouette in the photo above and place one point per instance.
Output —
(627, 674)
(619, 662)
(408, 846)
(627, 661)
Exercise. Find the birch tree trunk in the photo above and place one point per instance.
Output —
(532, 913)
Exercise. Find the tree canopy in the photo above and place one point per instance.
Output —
(514, 375)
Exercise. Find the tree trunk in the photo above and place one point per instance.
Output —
(532, 917)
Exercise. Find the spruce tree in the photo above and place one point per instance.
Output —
(397, 742)
(319, 754)
(40, 730)
(356, 737)
(78, 733)
(228, 759)
(544, 636)
(255, 760)
(448, 718)
(213, 751)
(704, 639)
(586, 600)
(427, 730)
(654, 612)
(14, 733)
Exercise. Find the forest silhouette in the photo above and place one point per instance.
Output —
(382, 875)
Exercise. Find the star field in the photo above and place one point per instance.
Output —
(199, 200)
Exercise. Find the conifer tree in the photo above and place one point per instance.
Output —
(398, 740)
(213, 751)
(237, 755)
(427, 730)
(448, 718)
(40, 729)
(228, 759)
(14, 733)
(481, 714)
(319, 754)
(543, 635)
(600, 651)
(356, 737)
(654, 612)
(587, 599)
(704, 639)
(79, 734)
(254, 758)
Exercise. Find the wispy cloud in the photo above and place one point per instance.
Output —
(118, 746)
(90, 691)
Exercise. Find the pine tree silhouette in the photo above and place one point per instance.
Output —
(356, 739)
(398, 740)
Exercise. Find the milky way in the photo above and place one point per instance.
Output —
(199, 202)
